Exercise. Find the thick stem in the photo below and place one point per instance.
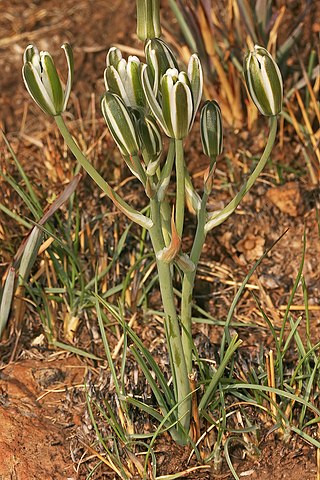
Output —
(172, 328)
(180, 201)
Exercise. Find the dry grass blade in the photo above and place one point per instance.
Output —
(312, 134)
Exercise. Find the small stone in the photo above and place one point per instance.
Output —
(287, 198)
(251, 246)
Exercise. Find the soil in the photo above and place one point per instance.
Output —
(46, 431)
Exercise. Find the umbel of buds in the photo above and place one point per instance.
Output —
(178, 98)
(124, 78)
(264, 81)
(211, 129)
(43, 82)
(121, 124)
(148, 19)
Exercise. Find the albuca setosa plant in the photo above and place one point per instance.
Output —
(144, 102)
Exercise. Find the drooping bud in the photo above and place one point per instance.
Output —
(264, 81)
(42, 80)
(211, 129)
(120, 123)
(148, 19)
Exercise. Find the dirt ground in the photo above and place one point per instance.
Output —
(45, 430)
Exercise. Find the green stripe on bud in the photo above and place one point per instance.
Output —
(43, 82)
(148, 19)
(196, 81)
(150, 136)
(175, 103)
(124, 78)
(159, 58)
(120, 123)
(211, 129)
(114, 56)
(264, 81)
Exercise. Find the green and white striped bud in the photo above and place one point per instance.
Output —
(124, 78)
(120, 123)
(264, 81)
(150, 136)
(211, 129)
(196, 81)
(148, 19)
(43, 82)
(159, 58)
(180, 97)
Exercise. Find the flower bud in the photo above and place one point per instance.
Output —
(42, 80)
(150, 136)
(124, 78)
(159, 58)
(264, 81)
(148, 19)
(177, 105)
(120, 123)
(195, 76)
(211, 129)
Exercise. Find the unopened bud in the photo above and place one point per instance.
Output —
(264, 81)
(120, 123)
(211, 129)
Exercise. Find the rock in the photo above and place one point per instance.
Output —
(287, 198)
(251, 246)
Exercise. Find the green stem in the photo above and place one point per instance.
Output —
(189, 278)
(172, 328)
(133, 214)
(219, 217)
(180, 201)
(161, 193)
(202, 228)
